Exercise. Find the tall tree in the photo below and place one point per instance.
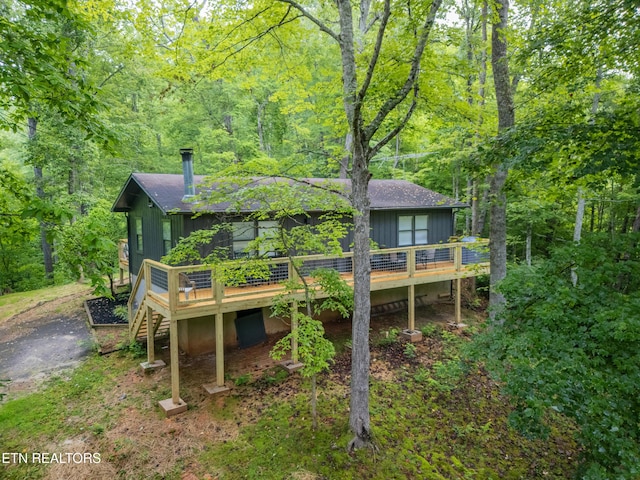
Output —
(506, 120)
(372, 123)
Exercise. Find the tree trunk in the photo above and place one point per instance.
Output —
(359, 418)
(527, 253)
(159, 145)
(39, 181)
(498, 237)
(636, 223)
(261, 137)
(354, 98)
(346, 159)
(577, 231)
(506, 120)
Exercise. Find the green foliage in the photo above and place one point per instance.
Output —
(19, 257)
(135, 349)
(3, 384)
(389, 337)
(89, 247)
(420, 432)
(574, 349)
(122, 312)
(42, 40)
(410, 350)
(244, 379)
(429, 330)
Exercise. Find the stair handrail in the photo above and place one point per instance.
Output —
(132, 295)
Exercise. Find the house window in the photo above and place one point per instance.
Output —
(243, 233)
(413, 230)
(139, 242)
(267, 229)
(246, 232)
(166, 236)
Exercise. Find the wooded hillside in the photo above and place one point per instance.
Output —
(527, 110)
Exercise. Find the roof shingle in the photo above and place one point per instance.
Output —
(166, 191)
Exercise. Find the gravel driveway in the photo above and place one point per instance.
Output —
(41, 341)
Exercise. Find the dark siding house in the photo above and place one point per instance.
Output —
(158, 215)
(160, 210)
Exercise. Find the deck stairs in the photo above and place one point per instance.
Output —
(138, 324)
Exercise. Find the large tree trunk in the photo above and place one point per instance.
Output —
(346, 159)
(359, 419)
(506, 120)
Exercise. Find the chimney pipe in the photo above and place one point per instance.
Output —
(187, 173)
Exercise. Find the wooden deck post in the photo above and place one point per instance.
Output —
(150, 336)
(294, 331)
(457, 257)
(458, 301)
(220, 349)
(152, 327)
(174, 292)
(174, 405)
(412, 307)
(219, 386)
(411, 261)
(175, 362)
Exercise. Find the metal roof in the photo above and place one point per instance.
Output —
(166, 191)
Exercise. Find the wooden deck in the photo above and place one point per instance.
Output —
(158, 285)
(162, 295)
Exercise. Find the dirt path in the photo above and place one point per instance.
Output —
(46, 339)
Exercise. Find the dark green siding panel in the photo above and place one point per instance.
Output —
(153, 245)
(384, 225)
(205, 222)
(384, 229)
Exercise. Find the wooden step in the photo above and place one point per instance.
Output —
(162, 330)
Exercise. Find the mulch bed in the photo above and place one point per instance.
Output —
(102, 309)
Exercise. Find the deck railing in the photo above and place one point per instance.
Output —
(184, 286)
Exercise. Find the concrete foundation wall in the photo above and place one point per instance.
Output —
(197, 336)
(431, 291)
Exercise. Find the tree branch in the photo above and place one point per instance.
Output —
(376, 51)
(402, 93)
(312, 18)
(258, 37)
(111, 75)
(389, 136)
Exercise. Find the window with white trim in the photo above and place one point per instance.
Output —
(243, 233)
(413, 230)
